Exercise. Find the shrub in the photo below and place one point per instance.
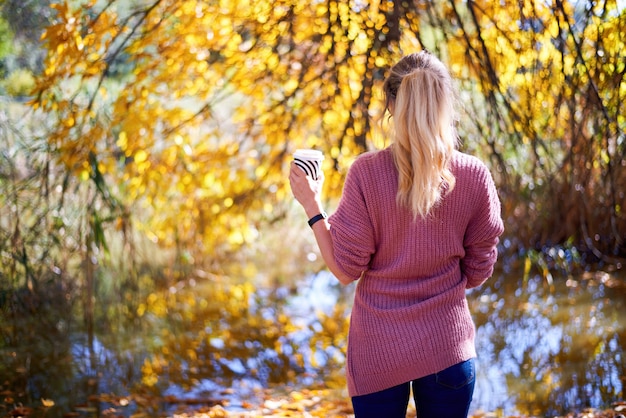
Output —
(19, 83)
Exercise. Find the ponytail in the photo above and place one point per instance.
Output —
(425, 139)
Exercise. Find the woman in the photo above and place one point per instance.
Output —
(417, 225)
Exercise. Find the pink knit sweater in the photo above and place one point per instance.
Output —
(410, 316)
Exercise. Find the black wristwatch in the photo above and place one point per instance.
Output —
(316, 218)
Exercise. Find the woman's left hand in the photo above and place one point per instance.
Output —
(306, 190)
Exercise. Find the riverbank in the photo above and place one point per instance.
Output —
(320, 403)
(325, 404)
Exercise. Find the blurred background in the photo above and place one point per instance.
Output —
(151, 254)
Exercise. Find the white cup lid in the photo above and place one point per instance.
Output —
(308, 154)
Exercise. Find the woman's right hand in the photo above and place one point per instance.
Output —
(306, 190)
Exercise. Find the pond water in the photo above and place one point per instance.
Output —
(547, 344)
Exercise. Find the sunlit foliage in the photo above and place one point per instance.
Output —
(174, 120)
(552, 81)
(213, 98)
(191, 109)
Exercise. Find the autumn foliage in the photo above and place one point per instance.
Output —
(183, 114)
(143, 177)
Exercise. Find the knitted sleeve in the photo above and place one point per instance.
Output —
(483, 231)
(351, 228)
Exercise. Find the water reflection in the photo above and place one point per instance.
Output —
(545, 347)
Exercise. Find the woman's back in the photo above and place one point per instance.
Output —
(377, 235)
(412, 295)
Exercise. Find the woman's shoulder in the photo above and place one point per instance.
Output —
(373, 158)
(377, 164)
(463, 162)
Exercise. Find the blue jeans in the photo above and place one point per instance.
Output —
(446, 394)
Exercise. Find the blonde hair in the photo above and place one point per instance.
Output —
(420, 97)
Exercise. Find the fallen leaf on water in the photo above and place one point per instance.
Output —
(47, 402)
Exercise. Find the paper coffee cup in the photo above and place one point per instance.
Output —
(310, 161)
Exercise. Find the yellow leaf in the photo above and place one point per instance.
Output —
(290, 86)
(140, 156)
(122, 141)
(47, 403)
